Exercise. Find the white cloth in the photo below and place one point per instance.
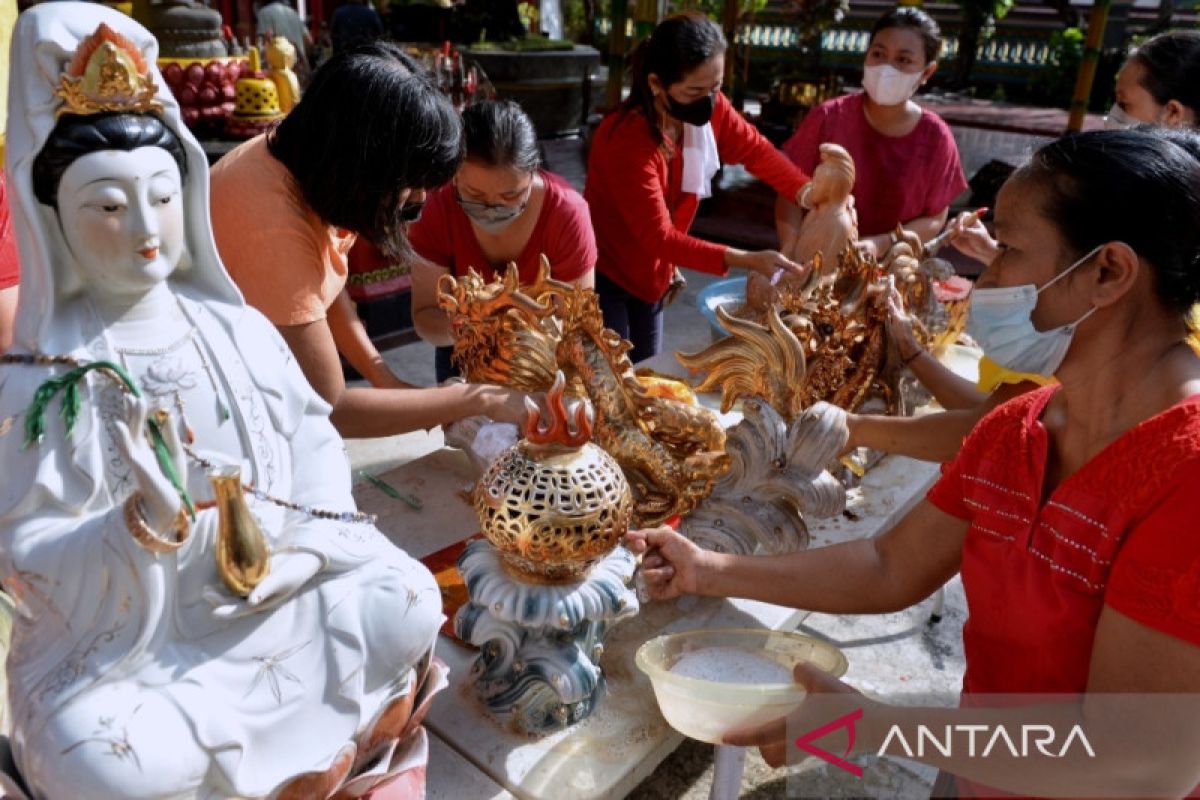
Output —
(700, 159)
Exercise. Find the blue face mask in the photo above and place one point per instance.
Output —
(1001, 321)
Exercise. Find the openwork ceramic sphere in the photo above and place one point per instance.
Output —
(553, 504)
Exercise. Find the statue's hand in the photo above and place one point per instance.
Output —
(160, 500)
(289, 572)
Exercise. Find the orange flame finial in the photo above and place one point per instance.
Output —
(558, 429)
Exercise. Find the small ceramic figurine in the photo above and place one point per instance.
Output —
(201, 612)
(281, 57)
(829, 226)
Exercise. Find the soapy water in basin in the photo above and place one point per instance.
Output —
(730, 665)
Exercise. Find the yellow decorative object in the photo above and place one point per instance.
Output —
(992, 375)
(554, 504)
(107, 74)
(281, 57)
(671, 452)
(256, 102)
(243, 553)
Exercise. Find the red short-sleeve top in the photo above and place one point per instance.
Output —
(563, 232)
(896, 178)
(1121, 531)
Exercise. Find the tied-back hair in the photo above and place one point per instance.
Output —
(76, 136)
(1172, 68)
(913, 19)
(497, 133)
(678, 45)
(1138, 186)
(370, 125)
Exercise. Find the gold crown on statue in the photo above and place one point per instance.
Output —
(107, 74)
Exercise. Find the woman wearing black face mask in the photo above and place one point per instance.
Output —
(651, 162)
(501, 208)
(353, 159)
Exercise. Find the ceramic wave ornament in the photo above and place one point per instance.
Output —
(136, 669)
(777, 477)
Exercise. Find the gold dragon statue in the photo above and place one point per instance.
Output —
(519, 336)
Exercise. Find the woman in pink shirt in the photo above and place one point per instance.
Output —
(501, 208)
(906, 161)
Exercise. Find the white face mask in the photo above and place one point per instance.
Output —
(1116, 118)
(1001, 321)
(888, 86)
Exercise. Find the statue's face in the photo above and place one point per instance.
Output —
(122, 218)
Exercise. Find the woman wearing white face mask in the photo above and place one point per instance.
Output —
(1159, 83)
(906, 162)
(500, 208)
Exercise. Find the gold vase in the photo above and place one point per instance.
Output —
(243, 554)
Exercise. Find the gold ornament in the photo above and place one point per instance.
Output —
(670, 451)
(554, 504)
(242, 552)
(107, 74)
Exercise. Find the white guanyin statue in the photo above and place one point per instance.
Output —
(134, 671)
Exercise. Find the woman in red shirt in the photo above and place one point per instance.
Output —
(1070, 511)
(652, 161)
(501, 208)
(906, 162)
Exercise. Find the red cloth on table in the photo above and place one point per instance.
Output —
(563, 232)
(1121, 532)
(639, 209)
(10, 263)
(896, 179)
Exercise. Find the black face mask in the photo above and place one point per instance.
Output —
(697, 112)
(412, 212)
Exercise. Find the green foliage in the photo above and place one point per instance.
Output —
(985, 10)
(1055, 83)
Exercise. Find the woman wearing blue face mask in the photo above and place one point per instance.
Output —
(1069, 513)
(501, 208)
(906, 162)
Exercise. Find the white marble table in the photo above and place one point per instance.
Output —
(622, 742)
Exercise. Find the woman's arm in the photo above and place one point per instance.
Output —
(929, 437)
(366, 412)
(431, 322)
(885, 573)
(788, 216)
(351, 339)
(926, 227)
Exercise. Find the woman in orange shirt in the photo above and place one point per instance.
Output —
(353, 158)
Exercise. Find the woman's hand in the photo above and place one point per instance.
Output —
(289, 572)
(507, 405)
(901, 328)
(160, 499)
(765, 262)
(672, 565)
(829, 700)
(973, 239)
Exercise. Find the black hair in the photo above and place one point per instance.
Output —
(1172, 68)
(1139, 186)
(678, 45)
(370, 125)
(913, 19)
(75, 136)
(498, 133)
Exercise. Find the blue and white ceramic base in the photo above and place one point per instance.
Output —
(540, 645)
